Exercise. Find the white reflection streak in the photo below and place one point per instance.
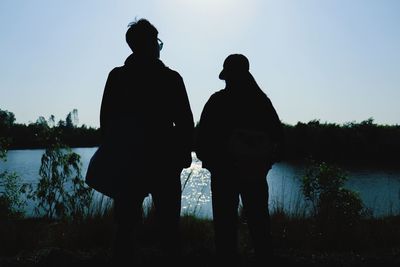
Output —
(195, 187)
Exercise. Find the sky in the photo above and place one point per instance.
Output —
(336, 61)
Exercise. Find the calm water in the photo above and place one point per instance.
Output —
(379, 188)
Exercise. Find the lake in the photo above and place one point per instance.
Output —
(379, 187)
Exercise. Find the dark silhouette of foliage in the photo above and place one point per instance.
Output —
(11, 201)
(7, 120)
(3, 148)
(335, 209)
(71, 121)
(43, 133)
(61, 192)
(350, 142)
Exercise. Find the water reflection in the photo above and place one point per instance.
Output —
(196, 195)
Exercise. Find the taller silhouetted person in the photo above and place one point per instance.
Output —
(147, 124)
(240, 137)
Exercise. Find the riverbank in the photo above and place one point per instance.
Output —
(39, 242)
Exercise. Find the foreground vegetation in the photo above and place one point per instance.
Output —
(41, 242)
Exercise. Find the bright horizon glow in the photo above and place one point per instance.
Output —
(335, 60)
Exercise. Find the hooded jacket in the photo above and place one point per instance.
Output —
(240, 106)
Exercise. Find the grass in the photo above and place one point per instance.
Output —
(35, 241)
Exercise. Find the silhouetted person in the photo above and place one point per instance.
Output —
(146, 121)
(239, 139)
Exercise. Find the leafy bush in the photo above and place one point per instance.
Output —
(335, 208)
(3, 148)
(11, 202)
(61, 192)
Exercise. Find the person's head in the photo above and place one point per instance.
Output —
(236, 73)
(236, 67)
(141, 37)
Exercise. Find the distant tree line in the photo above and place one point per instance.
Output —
(43, 132)
(350, 142)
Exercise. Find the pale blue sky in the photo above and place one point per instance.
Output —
(333, 60)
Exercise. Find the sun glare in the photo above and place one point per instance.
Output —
(212, 7)
(207, 3)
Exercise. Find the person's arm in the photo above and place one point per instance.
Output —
(205, 138)
(183, 120)
(277, 132)
(106, 103)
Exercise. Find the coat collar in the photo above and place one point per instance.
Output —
(133, 61)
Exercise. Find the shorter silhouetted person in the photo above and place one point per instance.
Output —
(147, 127)
(240, 137)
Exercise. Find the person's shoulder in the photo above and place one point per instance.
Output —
(220, 93)
(113, 75)
(217, 96)
(173, 74)
(116, 71)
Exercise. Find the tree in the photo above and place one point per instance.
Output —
(42, 121)
(72, 120)
(51, 121)
(11, 202)
(336, 210)
(61, 192)
(7, 120)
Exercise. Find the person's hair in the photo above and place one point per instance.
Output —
(140, 33)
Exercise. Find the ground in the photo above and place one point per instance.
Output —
(60, 257)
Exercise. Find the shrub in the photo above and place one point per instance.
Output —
(11, 202)
(336, 209)
(61, 192)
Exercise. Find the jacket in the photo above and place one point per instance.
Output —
(146, 116)
(230, 109)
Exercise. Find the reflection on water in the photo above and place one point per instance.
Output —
(196, 196)
(378, 188)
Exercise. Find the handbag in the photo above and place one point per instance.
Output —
(101, 173)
